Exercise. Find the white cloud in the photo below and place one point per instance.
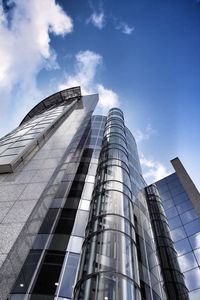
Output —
(125, 28)
(25, 49)
(85, 69)
(152, 170)
(145, 135)
(97, 19)
(107, 98)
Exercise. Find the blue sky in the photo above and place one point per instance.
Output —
(141, 55)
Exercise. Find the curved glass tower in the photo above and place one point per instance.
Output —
(119, 258)
(109, 267)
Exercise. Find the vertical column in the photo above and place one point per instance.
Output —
(108, 267)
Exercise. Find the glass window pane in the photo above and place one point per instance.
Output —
(177, 190)
(75, 244)
(49, 273)
(171, 212)
(197, 255)
(85, 205)
(174, 222)
(183, 207)
(48, 221)
(80, 224)
(87, 191)
(168, 204)
(67, 284)
(59, 242)
(195, 241)
(66, 221)
(192, 279)
(182, 246)
(178, 234)
(26, 273)
(188, 216)
(180, 198)
(40, 241)
(193, 227)
(187, 262)
(195, 295)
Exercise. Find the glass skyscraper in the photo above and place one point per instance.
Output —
(77, 220)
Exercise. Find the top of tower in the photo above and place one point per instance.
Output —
(53, 100)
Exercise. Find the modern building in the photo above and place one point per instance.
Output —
(181, 202)
(77, 220)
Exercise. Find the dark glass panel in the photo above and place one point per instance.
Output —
(27, 271)
(66, 221)
(59, 242)
(49, 273)
(48, 221)
(72, 203)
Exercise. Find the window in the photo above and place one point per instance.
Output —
(48, 221)
(188, 216)
(69, 276)
(178, 234)
(192, 279)
(26, 273)
(183, 246)
(80, 224)
(66, 221)
(49, 273)
(59, 242)
(193, 227)
(174, 222)
(187, 262)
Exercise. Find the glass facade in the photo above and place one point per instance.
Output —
(184, 227)
(173, 278)
(78, 220)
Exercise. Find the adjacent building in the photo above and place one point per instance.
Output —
(181, 202)
(77, 220)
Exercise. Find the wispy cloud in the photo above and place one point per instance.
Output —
(144, 135)
(97, 19)
(124, 28)
(25, 49)
(85, 70)
(153, 170)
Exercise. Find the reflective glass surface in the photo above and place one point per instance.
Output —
(185, 230)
